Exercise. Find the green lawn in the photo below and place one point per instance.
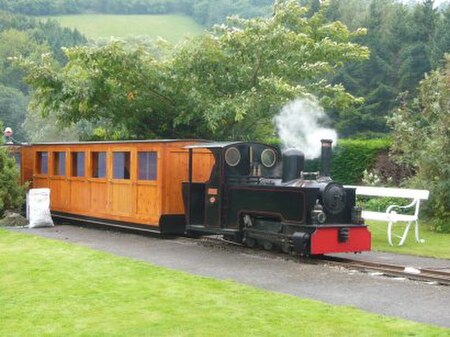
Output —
(435, 245)
(51, 288)
(170, 27)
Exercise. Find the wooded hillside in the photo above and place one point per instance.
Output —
(405, 41)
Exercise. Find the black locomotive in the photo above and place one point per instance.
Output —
(259, 196)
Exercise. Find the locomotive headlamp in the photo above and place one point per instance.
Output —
(317, 214)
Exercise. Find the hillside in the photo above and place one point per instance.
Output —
(169, 27)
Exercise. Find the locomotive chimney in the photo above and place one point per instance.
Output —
(326, 157)
(293, 164)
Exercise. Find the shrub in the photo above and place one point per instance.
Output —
(381, 204)
(421, 136)
(12, 195)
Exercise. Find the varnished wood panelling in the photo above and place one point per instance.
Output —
(98, 197)
(203, 162)
(147, 202)
(79, 195)
(176, 172)
(122, 198)
(59, 195)
(41, 182)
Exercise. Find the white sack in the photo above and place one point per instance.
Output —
(38, 208)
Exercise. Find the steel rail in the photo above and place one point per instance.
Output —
(391, 270)
(418, 274)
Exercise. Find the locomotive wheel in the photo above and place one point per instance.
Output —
(267, 245)
(250, 242)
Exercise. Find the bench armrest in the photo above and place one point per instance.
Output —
(390, 209)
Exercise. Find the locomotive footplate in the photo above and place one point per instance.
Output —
(312, 240)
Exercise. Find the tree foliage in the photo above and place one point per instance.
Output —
(405, 43)
(406, 40)
(26, 37)
(13, 107)
(225, 84)
(11, 193)
(421, 133)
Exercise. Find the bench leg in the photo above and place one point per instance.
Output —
(405, 234)
(389, 232)
(416, 230)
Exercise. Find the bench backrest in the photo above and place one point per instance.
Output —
(391, 192)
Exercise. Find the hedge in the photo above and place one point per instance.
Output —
(351, 157)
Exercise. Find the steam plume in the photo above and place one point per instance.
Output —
(299, 125)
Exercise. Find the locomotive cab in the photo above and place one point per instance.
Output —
(236, 163)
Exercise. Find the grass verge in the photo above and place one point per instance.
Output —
(169, 27)
(435, 245)
(50, 288)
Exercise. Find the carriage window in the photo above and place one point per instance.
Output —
(59, 163)
(78, 159)
(99, 164)
(121, 165)
(42, 163)
(18, 159)
(147, 165)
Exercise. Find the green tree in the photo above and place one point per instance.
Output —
(26, 37)
(421, 133)
(56, 37)
(226, 84)
(405, 41)
(375, 80)
(40, 129)
(441, 38)
(109, 82)
(13, 107)
(14, 43)
(416, 56)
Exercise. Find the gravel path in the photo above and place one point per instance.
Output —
(406, 299)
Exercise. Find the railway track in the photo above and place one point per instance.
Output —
(433, 276)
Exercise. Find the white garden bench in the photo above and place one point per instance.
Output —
(390, 215)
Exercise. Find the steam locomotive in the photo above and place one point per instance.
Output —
(248, 192)
(257, 196)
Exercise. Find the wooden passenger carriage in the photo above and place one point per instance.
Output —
(129, 183)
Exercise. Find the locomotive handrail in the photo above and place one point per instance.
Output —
(390, 215)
